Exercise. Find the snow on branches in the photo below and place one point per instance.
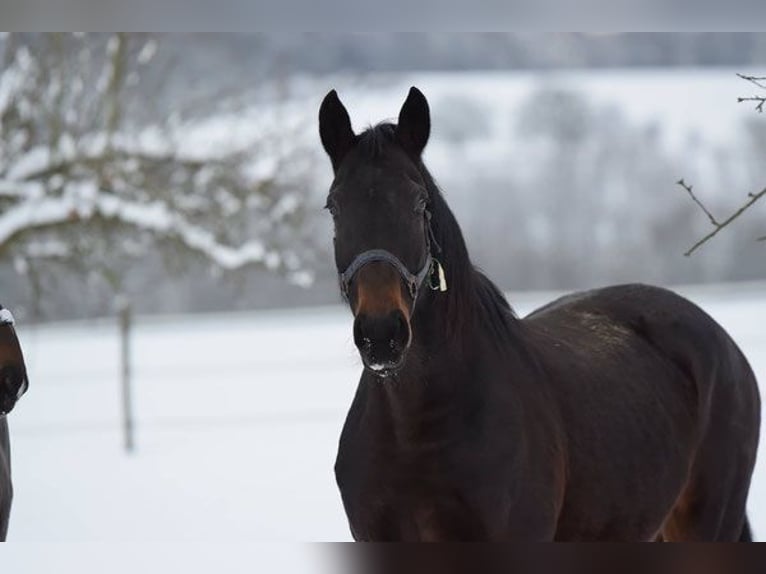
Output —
(89, 176)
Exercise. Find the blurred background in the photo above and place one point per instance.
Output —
(164, 250)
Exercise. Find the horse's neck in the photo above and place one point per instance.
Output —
(438, 365)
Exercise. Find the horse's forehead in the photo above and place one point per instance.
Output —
(377, 179)
(390, 162)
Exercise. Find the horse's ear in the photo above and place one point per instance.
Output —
(414, 122)
(335, 128)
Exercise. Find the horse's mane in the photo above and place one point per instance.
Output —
(376, 139)
(472, 297)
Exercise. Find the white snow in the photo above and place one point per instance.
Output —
(6, 317)
(238, 418)
(32, 162)
(147, 52)
(84, 201)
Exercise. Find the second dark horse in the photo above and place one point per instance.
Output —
(13, 384)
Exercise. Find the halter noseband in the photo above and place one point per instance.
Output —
(414, 281)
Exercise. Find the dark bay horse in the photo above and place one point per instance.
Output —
(624, 413)
(13, 384)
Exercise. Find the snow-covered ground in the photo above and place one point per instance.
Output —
(238, 418)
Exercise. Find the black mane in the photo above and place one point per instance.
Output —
(376, 139)
(472, 296)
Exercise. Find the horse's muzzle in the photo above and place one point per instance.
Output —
(383, 341)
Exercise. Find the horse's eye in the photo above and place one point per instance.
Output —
(421, 205)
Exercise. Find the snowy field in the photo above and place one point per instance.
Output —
(238, 418)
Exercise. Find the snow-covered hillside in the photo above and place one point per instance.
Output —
(688, 107)
(238, 422)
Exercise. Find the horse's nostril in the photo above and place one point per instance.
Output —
(382, 339)
(358, 338)
(400, 337)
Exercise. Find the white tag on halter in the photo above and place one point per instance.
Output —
(442, 277)
(6, 317)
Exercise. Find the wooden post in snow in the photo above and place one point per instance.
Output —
(126, 318)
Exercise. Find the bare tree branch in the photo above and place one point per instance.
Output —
(688, 189)
(758, 82)
(760, 99)
(718, 226)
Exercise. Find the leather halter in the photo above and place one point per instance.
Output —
(414, 281)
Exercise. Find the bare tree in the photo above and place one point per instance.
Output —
(92, 178)
(719, 225)
(91, 182)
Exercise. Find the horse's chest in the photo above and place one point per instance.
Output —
(409, 494)
(424, 476)
(408, 512)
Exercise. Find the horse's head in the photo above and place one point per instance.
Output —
(380, 205)
(13, 372)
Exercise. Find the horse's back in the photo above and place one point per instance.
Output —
(647, 378)
(645, 323)
(676, 328)
(6, 490)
